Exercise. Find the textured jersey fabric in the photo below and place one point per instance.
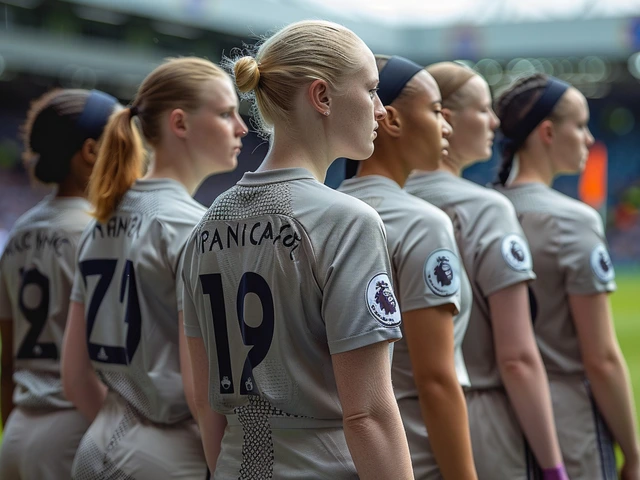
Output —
(495, 255)
(570, 257)
(281, 273)
(36, 274)
(128, 280)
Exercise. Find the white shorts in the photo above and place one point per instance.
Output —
(121, 445)
(40, 444)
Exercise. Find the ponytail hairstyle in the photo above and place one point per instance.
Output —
(296, 55)
(521, 108)
(177, 83)
(57, 125)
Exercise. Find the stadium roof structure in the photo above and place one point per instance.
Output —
(430, 13)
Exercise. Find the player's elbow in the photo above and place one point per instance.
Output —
(436, 385)
(603, 365)
(367, 418)
(519, 364)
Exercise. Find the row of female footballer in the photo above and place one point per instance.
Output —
(147, 337)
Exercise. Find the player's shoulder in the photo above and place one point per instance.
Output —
(572, 210)
(423, 209)
(344, 207)
(176, 206)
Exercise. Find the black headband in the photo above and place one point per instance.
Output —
(394, 76)
(56, 139)
(552, 93)
(95, 114)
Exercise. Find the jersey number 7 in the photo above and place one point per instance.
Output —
(105, 269)
(259, 337)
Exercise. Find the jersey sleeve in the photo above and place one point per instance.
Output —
(359, 306)
(584, 256)
(502, 257)
(6, 312)
(428, 266)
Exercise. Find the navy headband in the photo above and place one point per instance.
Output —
(394, 76)
(552, 93)
(96, 113)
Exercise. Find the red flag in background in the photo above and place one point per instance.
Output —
(593, 182)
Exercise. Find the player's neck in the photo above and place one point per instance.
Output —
(385, 163)
(164, 166)
(288, 152)
(451, 164)
(70, 187)
(533, 170)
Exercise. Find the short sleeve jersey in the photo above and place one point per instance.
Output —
(424, 256)
(281, 273)
(128, 279)
(494, 251)
(36, 274)
(570, 257)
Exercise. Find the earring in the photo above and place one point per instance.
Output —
(326, 114)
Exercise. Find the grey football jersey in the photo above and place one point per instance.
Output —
(494, 252)
(281, 273)
(570, 257)
(425, 261)
(129, 282)
(36, 274)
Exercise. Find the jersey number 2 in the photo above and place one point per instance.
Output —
(37, 317)
(259, 338)
(105, 269)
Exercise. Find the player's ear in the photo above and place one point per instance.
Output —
(392, 123)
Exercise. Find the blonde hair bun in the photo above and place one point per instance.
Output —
(247, 74)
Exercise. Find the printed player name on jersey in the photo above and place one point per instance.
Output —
(119, 225)
(248, 234)
(37, 240)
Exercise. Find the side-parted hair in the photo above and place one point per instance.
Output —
(177, 83)
(293, 57)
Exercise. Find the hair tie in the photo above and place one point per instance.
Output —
(133, 110)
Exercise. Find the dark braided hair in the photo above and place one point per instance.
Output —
(510, 107)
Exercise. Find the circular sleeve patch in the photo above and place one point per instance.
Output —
(601, 264)
(515, 252)
(382, 302)
(442, 272)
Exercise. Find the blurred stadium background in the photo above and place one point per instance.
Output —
(113, 44)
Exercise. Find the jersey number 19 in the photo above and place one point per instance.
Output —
(259, 337)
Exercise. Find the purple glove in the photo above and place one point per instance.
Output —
(555, 473)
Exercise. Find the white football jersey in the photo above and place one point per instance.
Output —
(129, 282)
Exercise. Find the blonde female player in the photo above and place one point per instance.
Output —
(42, 433)
(432, 287)
(545, 121)
(289, 305)
(508, 400)
(125, 321)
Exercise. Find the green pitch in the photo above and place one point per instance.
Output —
(626, 311)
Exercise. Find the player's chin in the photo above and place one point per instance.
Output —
(364, 151)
